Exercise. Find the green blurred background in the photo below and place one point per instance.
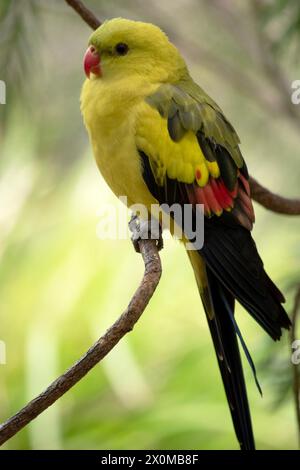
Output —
(61, 287)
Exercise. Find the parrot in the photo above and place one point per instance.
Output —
(158, 138)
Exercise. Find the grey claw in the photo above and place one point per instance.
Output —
(144, 230)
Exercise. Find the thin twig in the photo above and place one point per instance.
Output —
(273, 202)
(296, 372)
(98, 351)
(85, 13)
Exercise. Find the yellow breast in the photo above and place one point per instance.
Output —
(110, 111)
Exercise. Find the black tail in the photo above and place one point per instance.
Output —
(228, 355)
(231, 254)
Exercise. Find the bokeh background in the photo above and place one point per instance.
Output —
(61, 287)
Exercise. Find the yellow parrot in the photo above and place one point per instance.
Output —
(158, 138)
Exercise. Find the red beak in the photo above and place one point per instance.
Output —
(91, 62)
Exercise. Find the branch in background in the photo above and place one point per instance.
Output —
(85, 13)
(98, 351)
(273, 202)
(296, 371)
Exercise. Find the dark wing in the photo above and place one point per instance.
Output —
(229, 250)
(188, 109)
(218, 179)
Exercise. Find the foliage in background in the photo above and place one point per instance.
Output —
(283, 18)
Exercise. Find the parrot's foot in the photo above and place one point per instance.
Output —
(145, 230)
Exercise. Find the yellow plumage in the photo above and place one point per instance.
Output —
(120, 121)
(152, 128)
(110, 114)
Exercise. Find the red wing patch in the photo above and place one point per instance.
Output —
(216, 198)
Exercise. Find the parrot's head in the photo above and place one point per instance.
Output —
(125, 48)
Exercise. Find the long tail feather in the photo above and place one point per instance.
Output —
(219, 308)
(222, 328)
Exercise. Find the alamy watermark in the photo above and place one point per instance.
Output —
(295, 96)
(185, 222)
(295, 358)
(2, 92)
(2, 352)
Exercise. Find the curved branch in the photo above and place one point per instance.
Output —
(273, 202)
(85, 13)
(98, 351)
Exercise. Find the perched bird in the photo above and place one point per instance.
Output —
(159, 138)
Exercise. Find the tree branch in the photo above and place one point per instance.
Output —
(98, 351)
(85, 13)
(273, 202)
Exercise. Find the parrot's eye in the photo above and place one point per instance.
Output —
(121, 48)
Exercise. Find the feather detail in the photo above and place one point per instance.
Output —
(226, 198)
(242, 217)
(175, 128)
(247, 204)
(217, 193)
(213, 169)
(245, 183)
(200, 198)
(212, 201)
(233, 193)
